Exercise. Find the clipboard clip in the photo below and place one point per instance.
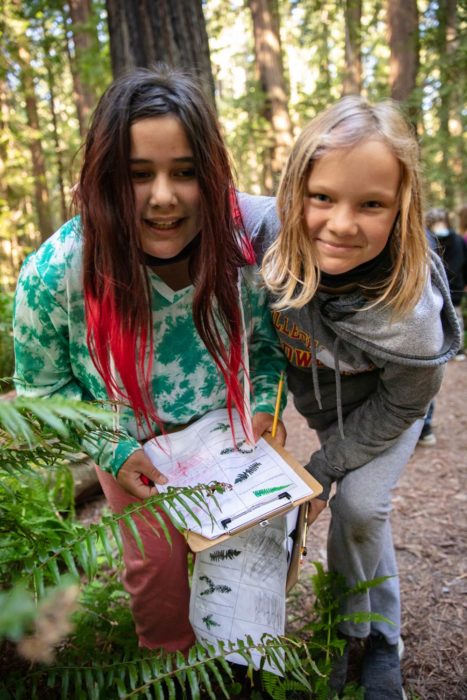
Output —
(284, 495)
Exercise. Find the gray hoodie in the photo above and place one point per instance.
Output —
(366, 375)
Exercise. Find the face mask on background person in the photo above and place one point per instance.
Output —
(440, 229)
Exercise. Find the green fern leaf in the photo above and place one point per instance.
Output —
(145, 671)
(131, 525)
(89, 682)
(81, 554)
(39, 587)
(69, 562)
(54, 570)
(115, 530)
(92, 555)
(133, 675)
(194, 685)
(157, 689)
(171, 688)
(204, 676)
(160, 520)
(105, 544)
(120, 686)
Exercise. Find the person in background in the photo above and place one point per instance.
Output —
(452, 249)
(463, 222)
(149, 297)
(365, 318)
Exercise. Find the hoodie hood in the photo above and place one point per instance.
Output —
(429, 335)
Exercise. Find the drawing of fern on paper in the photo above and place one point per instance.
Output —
(223, 427)
(209, 622)
(272, 489)
(224, 554)
(238, 448)
(243, 476)
(212, 587)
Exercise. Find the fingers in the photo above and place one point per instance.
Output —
(139, 477)
(281, 433)
(315, 508)
(263, 423)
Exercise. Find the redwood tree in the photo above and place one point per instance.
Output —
(84, 40)
(404, 45)
(269, 61)
(172, 31)
(353, 48)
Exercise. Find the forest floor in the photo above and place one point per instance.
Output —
(429, 527)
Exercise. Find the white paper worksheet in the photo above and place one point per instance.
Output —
(260, 480)
(238, 588)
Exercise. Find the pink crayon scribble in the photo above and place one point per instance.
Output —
(185, 466)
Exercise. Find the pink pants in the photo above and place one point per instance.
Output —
(156, 581)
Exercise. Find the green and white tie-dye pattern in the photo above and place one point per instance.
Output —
(52, 357)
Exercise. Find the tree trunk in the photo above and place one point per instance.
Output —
(9, 258)
(447, 16)
(353, 48)
(404, 45)
(56, 139)
(41, 192)
(269, 60)
(83, 42)
(171, 31)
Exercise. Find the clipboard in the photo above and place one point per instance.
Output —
(198, 543)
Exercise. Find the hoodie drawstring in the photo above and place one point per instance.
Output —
(340, 419)
(314, 367)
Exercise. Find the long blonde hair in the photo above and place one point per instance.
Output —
(289, 267)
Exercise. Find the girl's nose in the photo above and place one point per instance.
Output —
(162, 192)
(342, 220)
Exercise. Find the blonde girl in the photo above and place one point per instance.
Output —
(364, 316)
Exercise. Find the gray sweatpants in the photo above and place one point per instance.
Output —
(360, 543)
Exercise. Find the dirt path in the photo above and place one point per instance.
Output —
(429, 525)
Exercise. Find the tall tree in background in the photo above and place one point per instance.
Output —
(404, 45)
(41, 190)
(353, 48)
(172, 31)
(269, 61)
(446, 40)
(85, 41)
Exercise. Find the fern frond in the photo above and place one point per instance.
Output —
(24, 419)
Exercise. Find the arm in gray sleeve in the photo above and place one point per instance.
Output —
(402, 397)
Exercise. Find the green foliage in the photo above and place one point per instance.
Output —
(6, 339)
(320, 635)
(91, 651)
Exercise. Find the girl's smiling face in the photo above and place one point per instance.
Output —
(350, 205)
(166, 190)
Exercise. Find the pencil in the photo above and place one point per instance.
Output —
(277, 408)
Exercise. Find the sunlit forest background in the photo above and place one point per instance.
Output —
(270, 65)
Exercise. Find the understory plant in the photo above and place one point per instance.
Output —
(65, 626)
(6, 337)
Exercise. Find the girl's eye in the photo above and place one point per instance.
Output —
(185, 173)
(140, 174)
(372, 204)
(318, 197)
